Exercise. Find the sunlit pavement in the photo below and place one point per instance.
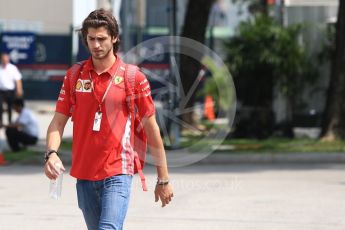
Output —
(266, 196)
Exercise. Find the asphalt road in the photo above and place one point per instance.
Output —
(266, 196)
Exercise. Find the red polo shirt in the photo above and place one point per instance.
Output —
(100, 154)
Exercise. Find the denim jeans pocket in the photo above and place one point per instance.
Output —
(119, 183)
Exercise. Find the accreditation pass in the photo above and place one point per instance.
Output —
(97, 121)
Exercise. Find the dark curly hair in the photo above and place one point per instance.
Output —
(99, 18)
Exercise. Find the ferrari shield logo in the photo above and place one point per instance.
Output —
(118, 80)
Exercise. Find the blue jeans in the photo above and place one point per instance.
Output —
(104, 203)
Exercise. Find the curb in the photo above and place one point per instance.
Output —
(250, 158)
(235, 158)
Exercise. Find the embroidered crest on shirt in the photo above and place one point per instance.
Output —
(118, 80)
(87, 86)
(78, 86)
(83, 86)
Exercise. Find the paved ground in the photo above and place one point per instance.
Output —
(207, 196)
(258, 197)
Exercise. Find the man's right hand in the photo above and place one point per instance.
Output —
(50, 169)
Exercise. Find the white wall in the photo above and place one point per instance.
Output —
(42, 16)
(311, 2)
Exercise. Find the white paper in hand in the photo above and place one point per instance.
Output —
(55, 186)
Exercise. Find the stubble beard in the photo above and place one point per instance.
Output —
(102, 56)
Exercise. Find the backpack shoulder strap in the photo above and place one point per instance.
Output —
(130, 73)
(130, 81)
(74, 73)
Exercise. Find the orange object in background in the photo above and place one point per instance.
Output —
(271, 2)
(2, 159)
(209, 108)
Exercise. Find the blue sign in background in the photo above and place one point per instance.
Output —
(53, 49)
(20, 46)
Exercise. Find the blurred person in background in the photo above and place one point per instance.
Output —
(24, 131)
(10, 85)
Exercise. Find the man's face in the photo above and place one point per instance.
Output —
(99, 42)
(5, 59)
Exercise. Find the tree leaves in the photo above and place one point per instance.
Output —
(262, 43)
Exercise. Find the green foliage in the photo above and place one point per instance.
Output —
(270, 145)
(263, 44)
(282, 145)
(219, 85)
(22, 156)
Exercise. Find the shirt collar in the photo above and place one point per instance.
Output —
(111, 71)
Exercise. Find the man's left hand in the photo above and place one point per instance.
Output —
(163, 193)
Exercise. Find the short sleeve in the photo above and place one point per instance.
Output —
(16, 74)
(143, 99)
(24, 118)
(63, 104)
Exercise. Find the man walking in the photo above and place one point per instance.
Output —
(10, 85)
(102, 154)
